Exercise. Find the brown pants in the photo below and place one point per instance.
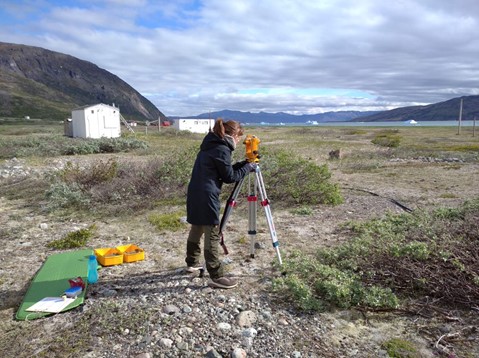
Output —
(211, 249)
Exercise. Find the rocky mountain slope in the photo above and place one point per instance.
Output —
(45, 84)
(442, 111)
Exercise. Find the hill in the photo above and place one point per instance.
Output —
(45, 84)
(281, 117)
(442, 111)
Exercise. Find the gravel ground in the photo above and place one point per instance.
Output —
(153, 308)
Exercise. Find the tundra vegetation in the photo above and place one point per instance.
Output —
(390, 262)
(357, 272)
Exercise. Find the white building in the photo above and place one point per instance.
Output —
(194, 125)
(96, 121)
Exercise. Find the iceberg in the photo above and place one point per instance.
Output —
(411, 122)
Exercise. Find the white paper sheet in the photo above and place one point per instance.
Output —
(50, 304)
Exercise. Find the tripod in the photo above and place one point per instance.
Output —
(258, 185)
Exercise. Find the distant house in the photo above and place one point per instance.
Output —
(194, 125)
(95, 121)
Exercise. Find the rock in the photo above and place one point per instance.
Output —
(227, 261)
(336, 154)
(246, 318)
(187, 309)
(143, 355)
(259, 245)
(183, 346)
(213, 354)
(247, 342)
(171, 310)
(185, 331)
(109, 292)
(249, 332)
(223, 326)
(166, 342)
(283, 322)
(238, 353)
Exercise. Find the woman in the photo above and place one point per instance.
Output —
(212, 168)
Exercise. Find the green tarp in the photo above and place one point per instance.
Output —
(52, 281)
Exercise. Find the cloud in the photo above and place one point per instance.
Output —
(189, 57)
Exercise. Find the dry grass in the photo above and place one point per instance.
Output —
(403, 173)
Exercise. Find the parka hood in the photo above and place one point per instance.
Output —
(211, 140)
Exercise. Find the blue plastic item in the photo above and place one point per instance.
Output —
(73, 292)
(92, 269)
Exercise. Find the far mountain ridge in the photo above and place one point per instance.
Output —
(442, 111)
(45, 84)
(281, 117)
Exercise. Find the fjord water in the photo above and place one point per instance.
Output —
(373, 124)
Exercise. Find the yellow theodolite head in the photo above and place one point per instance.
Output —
(252, 148)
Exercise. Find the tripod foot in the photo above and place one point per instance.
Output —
(252, 256)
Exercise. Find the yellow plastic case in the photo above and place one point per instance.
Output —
(109, 256)
(131, 253)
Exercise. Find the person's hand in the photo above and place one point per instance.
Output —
(239, 165)
(251, 167)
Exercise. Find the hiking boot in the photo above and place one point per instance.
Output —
(222, 282)
(193, 269)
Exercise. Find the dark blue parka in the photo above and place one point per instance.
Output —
(212, 168)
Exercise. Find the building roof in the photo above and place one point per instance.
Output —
(93, 105)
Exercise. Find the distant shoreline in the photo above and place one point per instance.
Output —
(367, 124)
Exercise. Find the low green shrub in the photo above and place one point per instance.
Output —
(95, 173)
(175, 170)
(292, 180)
(168, 221)
(400, 348)
(408, 255)
(304, 210)
(103, 145)
(56, 145)
(62, 195)
(464, 148)
(74, 239)
(133, 183)
(127, 183)
(387, 140)
(313, 285)
(415, 250)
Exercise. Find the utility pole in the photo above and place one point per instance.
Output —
(474, 127)
(460, 118)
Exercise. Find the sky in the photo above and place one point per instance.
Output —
(294, 56)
